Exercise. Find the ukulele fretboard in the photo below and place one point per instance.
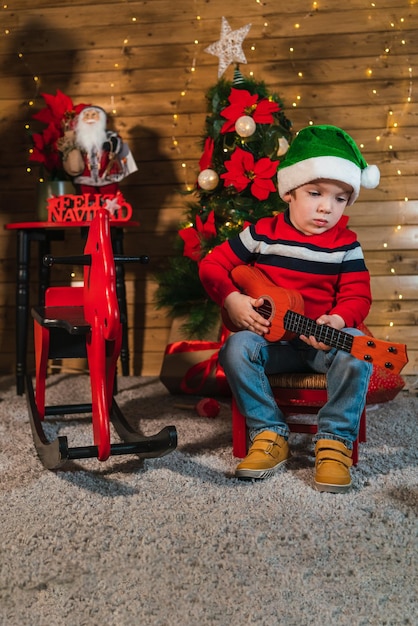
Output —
(301, 325)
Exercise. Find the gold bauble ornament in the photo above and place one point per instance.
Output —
(208, 179)
(283, 146)
(245, 126)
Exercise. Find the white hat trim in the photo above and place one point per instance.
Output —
(330, 167)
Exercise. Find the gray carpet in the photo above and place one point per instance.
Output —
(181, 542)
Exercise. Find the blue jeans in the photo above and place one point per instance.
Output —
(248, 358)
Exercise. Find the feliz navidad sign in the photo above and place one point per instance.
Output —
(81, 208)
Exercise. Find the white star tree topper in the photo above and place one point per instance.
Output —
(229, 47)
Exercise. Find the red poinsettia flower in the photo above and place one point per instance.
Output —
(58, 109)
(206, 158)
(192, 237)
(59, 115)
(243, 170)
(243, 103)
(45, 148)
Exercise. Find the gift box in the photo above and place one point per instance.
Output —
(384, 385)
(192, 367)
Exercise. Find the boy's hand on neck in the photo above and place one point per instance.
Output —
(335, 321)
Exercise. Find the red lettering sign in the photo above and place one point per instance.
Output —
(79, 208)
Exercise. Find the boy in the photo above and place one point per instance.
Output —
(308, 249)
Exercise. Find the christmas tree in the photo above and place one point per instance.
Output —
(246, 134)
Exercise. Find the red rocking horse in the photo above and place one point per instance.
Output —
(85, 321)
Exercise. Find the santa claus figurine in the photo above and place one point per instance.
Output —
(95, 157)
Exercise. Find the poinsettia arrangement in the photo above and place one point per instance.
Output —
(59, 115)
(246, 135)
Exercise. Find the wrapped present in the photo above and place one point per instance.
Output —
(192, 367)
(384, 385)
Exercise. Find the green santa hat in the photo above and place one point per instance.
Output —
(325, 152)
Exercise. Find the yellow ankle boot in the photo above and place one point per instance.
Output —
(332, 466)
(267, 452)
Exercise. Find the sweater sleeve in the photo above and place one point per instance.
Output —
(353, 296)
(214, 271)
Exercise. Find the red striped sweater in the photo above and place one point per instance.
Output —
(327, 269)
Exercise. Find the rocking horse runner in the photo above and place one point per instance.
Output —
(79, 321)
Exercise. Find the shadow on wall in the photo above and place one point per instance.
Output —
(147, 190)
(48, 53)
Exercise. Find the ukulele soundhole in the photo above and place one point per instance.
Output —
(266, 310)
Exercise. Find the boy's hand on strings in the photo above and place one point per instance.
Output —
(242, 312)
(335, 321)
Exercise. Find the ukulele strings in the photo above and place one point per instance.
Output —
(265, 310)
(305, 326)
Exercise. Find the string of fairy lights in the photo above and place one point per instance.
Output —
(394, 42)
(393, 123)
(385, 139)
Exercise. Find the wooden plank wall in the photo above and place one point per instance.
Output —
(349, 64)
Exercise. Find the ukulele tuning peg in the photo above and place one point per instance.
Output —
(371, 343)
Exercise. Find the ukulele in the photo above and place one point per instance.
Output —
(284, 310)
